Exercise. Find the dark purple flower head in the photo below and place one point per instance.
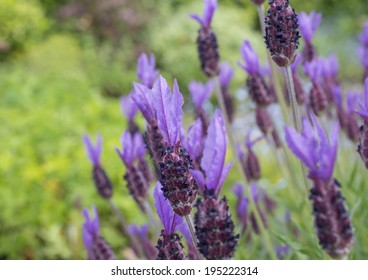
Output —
(146, 71)
(313, 148)
(143, 97)
(93, 152)
(200, 92)
(314, 69)
(363, 37)
(128, 106)
(330, 67)
(213, 161)
(132, 148)
(168, 218)
(91, 228)
(169, 109)
(309, 24)
(226, 74)
(363, 106)
(194, 142)
(250, 57)
(210, 7)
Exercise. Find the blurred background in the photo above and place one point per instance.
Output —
(63, 66)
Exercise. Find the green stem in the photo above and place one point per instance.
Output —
(252, 203)
(291, 91)
(188, 219)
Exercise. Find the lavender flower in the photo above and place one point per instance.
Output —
(146, 71)
(141, 233)
(129, 109)
(96, 246)
(192, 253)
(206, 41)
(282, 35)
(200, 94)
(250, 162)
(256, 84)
(195, 142)
(331, 216)
(317, 96)
(133, 149)
(308, 26)
(363, 112)
(225, 77)
(100, 178)
(241, 207)
(169, 245)
(214, 226)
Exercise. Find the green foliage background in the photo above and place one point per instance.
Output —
(58, 82)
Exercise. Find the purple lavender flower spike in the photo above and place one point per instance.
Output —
(100, 178)
(226, 74)
(363, 106)
(96, 246)
(294, 67)
(363, 112)
(282, 251)
(241, 206)
(192, 251)
(169, 109)
(250, 57)
(314, 69)
(308, 24)
(169, 246)
(139, 146)
(210, 7)
(128, 106)
(146, 71)
(206, 40)
(216, 243)
(93, 152)
(200, 92)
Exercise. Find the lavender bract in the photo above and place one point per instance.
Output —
(363, 112)
(200, 94)
(146, 70)
(100, 178)
(225, 77)
(308, 26)
(141, 233)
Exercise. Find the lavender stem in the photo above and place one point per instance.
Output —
(252, 203)
(149, 211)
(135, 243)
(189, 221)
(292, 98)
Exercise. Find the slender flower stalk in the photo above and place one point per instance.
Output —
(318, 153)
(169, 245)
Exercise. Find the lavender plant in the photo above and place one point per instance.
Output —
(308, 26)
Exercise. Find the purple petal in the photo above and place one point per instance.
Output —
(314, 69)
(366, 93)
(224, 173)
(337, 95)
(296, 63)
(214, 151)
(200, 92)
(363, 56)
(178, 109)
(91, 227)
(93, 152)
(309, 24)
(299, 146)
(194, 143)
(238, 190)
(226, 74)
(363, 37)
(166, 105)
(197, 18)
(199, 178)
(139, 146)
(250, 58)
(352, 99)
(128, 106)
(146, 71)
(143, 97)
(168, 218)
(140, 231)
(183, 228)
(210, 7)
(127, 151)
